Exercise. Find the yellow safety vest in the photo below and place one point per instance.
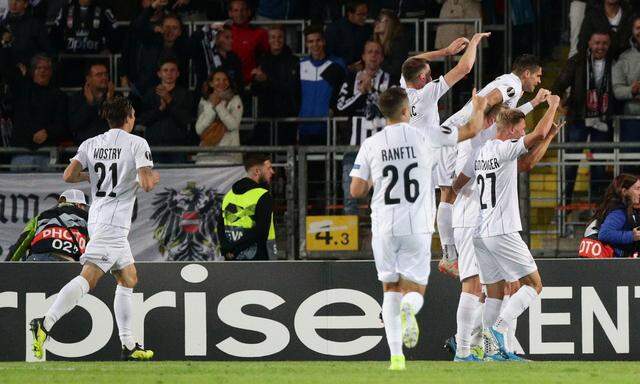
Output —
(239, 211)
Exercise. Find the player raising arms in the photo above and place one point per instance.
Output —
(526, 73)
(397, 162)
(498, 246)
(118, 163)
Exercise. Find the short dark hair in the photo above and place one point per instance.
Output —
(509, 117)
(525, 62)
(91, 64)
(252, 159)
(605, 32)
(171, 16)
(391, 102)
(412, 67)
(168, 60)
(350, 6)
(116, 111)
(279, 27)
(314, 28)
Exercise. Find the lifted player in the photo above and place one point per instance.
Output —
(118, 163)
(526, 73)
(398, 162)
(498, 246)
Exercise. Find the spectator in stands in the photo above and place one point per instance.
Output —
(577, 9)
(588, 73)
(273, 10)
(389, 33)
(85, 120)
(347, 36)
(618, 221)
(167, 112)
(85, 27)
(626, 84)
(56, 234)
(23, 34)
(248, 42)
(212, 49)
(219, 118)
(157, 44)
(320, 79)
(39, 109)
(457, 9)
(359, 100)
(607, 15)
(276, 82)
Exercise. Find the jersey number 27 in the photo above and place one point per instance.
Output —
(481, 182)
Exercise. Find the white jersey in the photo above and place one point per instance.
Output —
(494, 168)
(424, 103)
(509, 85)
(399, 161)
(113, 159)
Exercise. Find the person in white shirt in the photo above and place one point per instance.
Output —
(499, 248)
(526, 73)
(397, 162)
(118, 164)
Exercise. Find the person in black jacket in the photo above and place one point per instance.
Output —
(154, 47)
(245, 227)
(589, 105)
(607, 15)
(84, 27)
(347, 36)
(167, 113)
(39, 109)
(276, 82)
(85, 120)
(23, 34)
(211, 48)
(57, 234)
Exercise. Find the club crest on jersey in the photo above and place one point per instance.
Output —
(185, 223)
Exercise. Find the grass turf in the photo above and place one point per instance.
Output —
(319, 372)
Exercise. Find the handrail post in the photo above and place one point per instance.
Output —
(291, 204)
(302, 202)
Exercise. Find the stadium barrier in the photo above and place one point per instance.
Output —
(588, 310)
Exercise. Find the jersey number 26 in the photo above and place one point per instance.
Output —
(408, 182)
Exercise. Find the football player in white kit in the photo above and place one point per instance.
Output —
(526, 73)
(398, 163)
(498, 246)
(466, 210)
(118, 163)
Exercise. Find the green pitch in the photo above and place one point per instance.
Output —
(319, 372)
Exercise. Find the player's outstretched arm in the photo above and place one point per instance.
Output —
(453, 49)
(465, 65)
(528, 161)
(460, 181)
(544, 125)
(476, 122)
(359, 188)
(73, 173)
(148, 178)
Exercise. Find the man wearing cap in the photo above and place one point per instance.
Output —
(57, 234)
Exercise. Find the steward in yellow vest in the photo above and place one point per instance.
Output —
(245, 229)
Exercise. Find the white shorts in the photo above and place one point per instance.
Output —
(108, 247)
(446, 166)
(408, 257)
(503, 255)
(467, 264)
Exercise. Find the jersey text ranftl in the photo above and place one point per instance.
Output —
(398, 153)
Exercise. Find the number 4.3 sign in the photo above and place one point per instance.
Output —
(332, 233)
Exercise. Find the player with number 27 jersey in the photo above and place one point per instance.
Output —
(113, 159)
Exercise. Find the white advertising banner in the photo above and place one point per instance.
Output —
(175, 221)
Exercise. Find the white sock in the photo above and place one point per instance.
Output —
(392, 322)
(518, 302)
(467, 311)
(491, 311)
(445, 222)
(67, 298)
(414, 299)
(123, 311)
(511, 341)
